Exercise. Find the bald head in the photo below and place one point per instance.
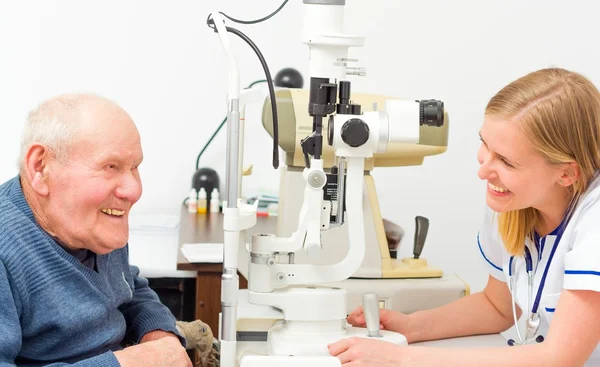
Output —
(79, 171)
(58, 122)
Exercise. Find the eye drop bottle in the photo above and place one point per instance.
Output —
(192, 202)
(202, 201)
(214, 201)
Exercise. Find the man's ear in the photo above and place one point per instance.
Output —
(36, 168)
(570, 174)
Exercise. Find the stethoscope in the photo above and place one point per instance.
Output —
(533, 320)
(532, 324)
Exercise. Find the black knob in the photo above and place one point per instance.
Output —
(355, 132)
(330, 131)
(344, 92)
(431, 112)
(355, 109)
(421, 228)
(348, 109)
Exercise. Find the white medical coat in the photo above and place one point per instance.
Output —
(575, 264)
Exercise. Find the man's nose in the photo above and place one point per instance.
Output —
(130, 188)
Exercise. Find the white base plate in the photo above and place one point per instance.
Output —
(254, 354)
(286, 361)
(284, 343)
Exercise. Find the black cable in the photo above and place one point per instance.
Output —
(216, 132)
(209, 141)
(271, 92)
(220, 127)
(256, 82)
(211, 24)
(256, 20)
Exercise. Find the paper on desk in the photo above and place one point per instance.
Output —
(203, 252)
(153, 221)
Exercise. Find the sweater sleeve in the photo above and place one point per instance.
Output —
(107, 359)
(145, 313)
(11, 335)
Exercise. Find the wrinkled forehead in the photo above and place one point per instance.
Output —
(101, 126)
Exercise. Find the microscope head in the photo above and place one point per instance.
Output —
(295, 124)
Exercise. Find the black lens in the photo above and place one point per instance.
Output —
(432, 112)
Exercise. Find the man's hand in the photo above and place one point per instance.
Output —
(157, 334)
(164, 352)
(367, 352)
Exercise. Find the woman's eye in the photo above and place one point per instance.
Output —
(506, 163)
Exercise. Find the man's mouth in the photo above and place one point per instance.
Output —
(113, 212)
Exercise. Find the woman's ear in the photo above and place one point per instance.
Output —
(570, 174)
(36, 168)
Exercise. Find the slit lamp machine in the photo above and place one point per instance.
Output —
(330, 229)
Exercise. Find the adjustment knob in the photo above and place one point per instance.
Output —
(330, 131)
(355, 132)
(421, 228)
(371, 312)
(431, 112)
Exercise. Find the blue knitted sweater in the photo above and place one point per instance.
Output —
(55, 310)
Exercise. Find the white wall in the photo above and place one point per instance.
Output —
(159, 61)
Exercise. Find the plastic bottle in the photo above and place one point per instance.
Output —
(202, 201)
(214, 201)
(192, 202)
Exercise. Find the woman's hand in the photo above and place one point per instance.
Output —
(368, 352)
(388, 320)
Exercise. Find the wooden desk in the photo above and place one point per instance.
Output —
(208, 228)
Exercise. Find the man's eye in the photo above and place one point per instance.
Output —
(111, 166)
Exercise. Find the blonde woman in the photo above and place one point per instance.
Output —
(540, 156)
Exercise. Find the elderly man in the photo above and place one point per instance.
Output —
(67, 292)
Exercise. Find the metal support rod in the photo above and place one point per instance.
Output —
(228, 304)
(339, 217)
(229, 281)
(233, 145)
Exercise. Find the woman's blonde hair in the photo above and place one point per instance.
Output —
(559, 113)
